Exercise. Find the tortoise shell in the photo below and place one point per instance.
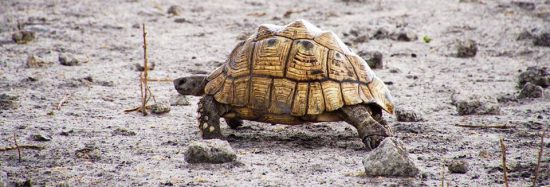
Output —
(294, 70)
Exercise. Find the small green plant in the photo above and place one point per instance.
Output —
(426, 39)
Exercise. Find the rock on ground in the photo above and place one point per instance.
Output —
(36, 62)
(179, 100)
(531, 90)
(406, 115)
(71, 60)
(22, 37)
(390, 159)
(210, 151)
(404, 35)
(160, 108)
(542, 39)
(475, 104)
(175, 10)
(8, 102)
(89, 152)
(381, 33)
(458, 166)
(466, 49)
(536, 75)
(41, 137)
(373, 59)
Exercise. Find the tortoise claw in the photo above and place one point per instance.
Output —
(373, 141)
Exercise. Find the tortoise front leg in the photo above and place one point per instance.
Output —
(209, 118)
(370, 130)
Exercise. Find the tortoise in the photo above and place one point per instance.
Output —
(292, 74)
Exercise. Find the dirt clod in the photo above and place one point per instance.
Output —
(41, 137)
(458, 166)
(175, 10)
(35, 62)
(160, 108)
(381, 33)
(531, 90)
(210, 151)
(123, 132)
(373, 59)
(524, 35)
(466, 49)
(536, 75)
(71, 60)
(8, 102)
(530, 6)
(89, 152)
(542, 39)
(469, 104)
(405, 35)
(23, 37)
(406, 115)
(390, 159)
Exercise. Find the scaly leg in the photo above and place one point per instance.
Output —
(209, 118)
(370, 130)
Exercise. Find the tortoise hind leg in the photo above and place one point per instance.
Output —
(233, 123)
(209, 118)
(370, 130)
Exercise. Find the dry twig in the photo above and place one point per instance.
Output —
(63, 101)
(539, 157)
(144, 89)
(161, 80)
(505, 169)
(17, 146)
(145, 75)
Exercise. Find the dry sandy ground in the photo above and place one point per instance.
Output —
(129, 149)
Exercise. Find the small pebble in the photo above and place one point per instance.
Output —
(23, 37)
(536, 75)
(373, 59)
(466, 49)
(530, 90)
(71, 60)
(89, 152)
(8, 102)
(123, 132)
(179, 100)
(160, 108)
(381, 33)
(530, 6)
(405, 35)
(175, 10)
(405, 115)
(458, 166)
(542, 39)
(41, 137)
(36, 62)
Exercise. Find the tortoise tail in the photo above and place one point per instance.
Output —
(191, 85)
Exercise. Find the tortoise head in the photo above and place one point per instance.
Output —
(192, 85)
